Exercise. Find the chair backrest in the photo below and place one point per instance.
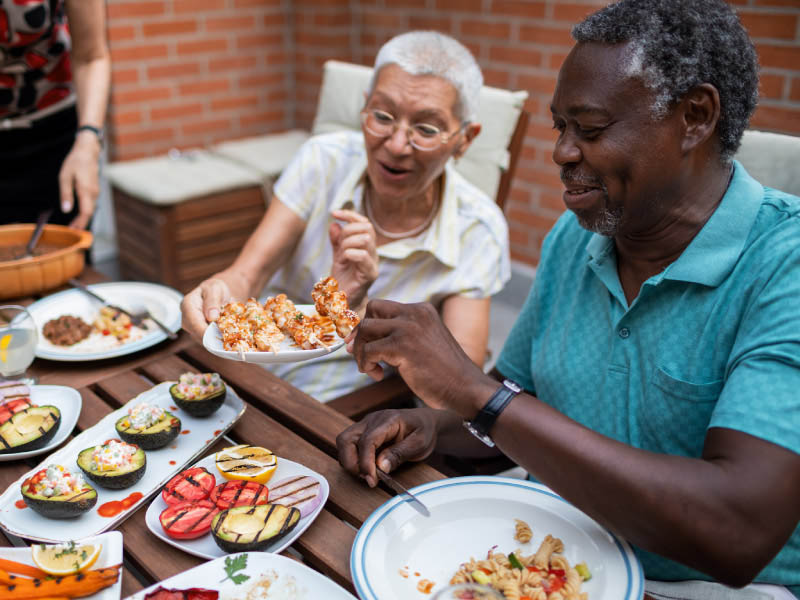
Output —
(490, 160)
(772, 159)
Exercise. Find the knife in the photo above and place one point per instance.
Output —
(135, 319)
(406, 495)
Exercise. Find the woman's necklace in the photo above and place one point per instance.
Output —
(393, 235)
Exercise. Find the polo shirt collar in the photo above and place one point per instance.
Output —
(440, 239)
(714, 251)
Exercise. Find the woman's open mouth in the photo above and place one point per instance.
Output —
(393, 172)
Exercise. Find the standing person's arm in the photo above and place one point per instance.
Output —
(91, 65)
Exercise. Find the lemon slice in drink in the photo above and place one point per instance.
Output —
(65, 559)
(246, 463)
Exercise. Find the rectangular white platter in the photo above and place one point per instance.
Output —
(197, 435)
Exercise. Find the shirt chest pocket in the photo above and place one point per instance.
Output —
(676, 412)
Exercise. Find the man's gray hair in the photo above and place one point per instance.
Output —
(434, 53)
(676, 45)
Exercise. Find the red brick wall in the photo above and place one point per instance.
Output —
(189, 72)
(194, 72)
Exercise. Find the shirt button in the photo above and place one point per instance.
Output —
(624, 332)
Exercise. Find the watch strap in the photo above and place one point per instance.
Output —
(95, 130)
(483, 422)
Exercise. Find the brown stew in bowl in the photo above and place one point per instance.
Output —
(15, 251)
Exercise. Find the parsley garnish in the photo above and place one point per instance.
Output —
(299, 317)
(70, 549)
(84, 555)
(233, 564)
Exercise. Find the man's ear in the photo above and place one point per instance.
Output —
(471, 131)
(701, 110)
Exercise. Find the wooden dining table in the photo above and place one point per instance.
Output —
(277, 416)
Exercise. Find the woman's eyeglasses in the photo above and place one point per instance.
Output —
(422, 136)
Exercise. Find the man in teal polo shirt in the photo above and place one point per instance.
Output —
(659, 349)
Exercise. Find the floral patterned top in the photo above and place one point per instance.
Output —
(35, 69)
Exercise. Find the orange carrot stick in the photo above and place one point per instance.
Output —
(71, 586)
(21, 568)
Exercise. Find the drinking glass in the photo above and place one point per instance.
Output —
(467, 591)
(17, 342)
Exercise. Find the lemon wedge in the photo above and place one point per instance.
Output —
(246, 463)
(4, 343)
(65, 559)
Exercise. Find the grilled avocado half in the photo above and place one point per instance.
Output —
(113, 479)
(29, 429)
(64, 506)
(158, 435)
(200, 406)
(252, 528)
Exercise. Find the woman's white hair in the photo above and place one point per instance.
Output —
(433, 53)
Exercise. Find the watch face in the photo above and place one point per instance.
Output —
(513, 386)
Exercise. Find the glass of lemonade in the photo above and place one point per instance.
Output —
(17, 342)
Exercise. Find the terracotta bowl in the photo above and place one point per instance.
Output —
(28, 276)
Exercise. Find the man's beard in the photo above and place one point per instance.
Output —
(606, 223)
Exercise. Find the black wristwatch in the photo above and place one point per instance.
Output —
(482, 424)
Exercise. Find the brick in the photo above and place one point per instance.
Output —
(230, 23)
(540, 175)
(460, 5)
(210, 86)
(138, 53)
(780, 57)
(229, 102)
(530, 219)
(262, 117)
(771, 86)
(378, 19)
(206, 126)
(196, 6)
(204, 46)
(794, 93)
(170, 71)
(260, 40)
(537, 84)
(134, 9)
(121, 118)
(486, 30)
(774, 118)
(540, 34)
(123, 76)
(139, 135)
(251, 3)
(232, 63)
(775, 26)
(555, 60)
(790, 3)
(262, 80)
(574, 13)
(437, 24)
(497, 78)
(137, 95)
(275, 20)
(176, 112)
(517, 235)
(332, 20)
(326, 40)
(516, 56)
(120, 33)
(169, 28)
(519, 8)
(551, 200)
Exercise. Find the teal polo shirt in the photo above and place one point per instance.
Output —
(712, 341)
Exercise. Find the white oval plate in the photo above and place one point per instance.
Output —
(163, 303)
(65, 399)
(110, 556)
(204, 546)
(288, 579)
(212, 340)
(162, 464)
(469, 516)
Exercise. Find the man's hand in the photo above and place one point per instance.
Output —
(413, 339)
(387, 438)
(79, 176)
(201, 306)
(355, 259)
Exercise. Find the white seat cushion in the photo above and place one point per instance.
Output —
(268, 154)
(341, 100)
(772, 159)
(170, 179)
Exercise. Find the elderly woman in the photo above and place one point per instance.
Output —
(383, 211)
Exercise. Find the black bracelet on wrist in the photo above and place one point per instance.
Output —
(482, 423)
(95, 130)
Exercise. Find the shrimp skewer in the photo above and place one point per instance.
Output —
(332, 302)
(293, 322)
(266, 334)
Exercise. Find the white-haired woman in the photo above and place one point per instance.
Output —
(382, 210)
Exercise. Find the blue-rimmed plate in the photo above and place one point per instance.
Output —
(397, 548)
(163, 303)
